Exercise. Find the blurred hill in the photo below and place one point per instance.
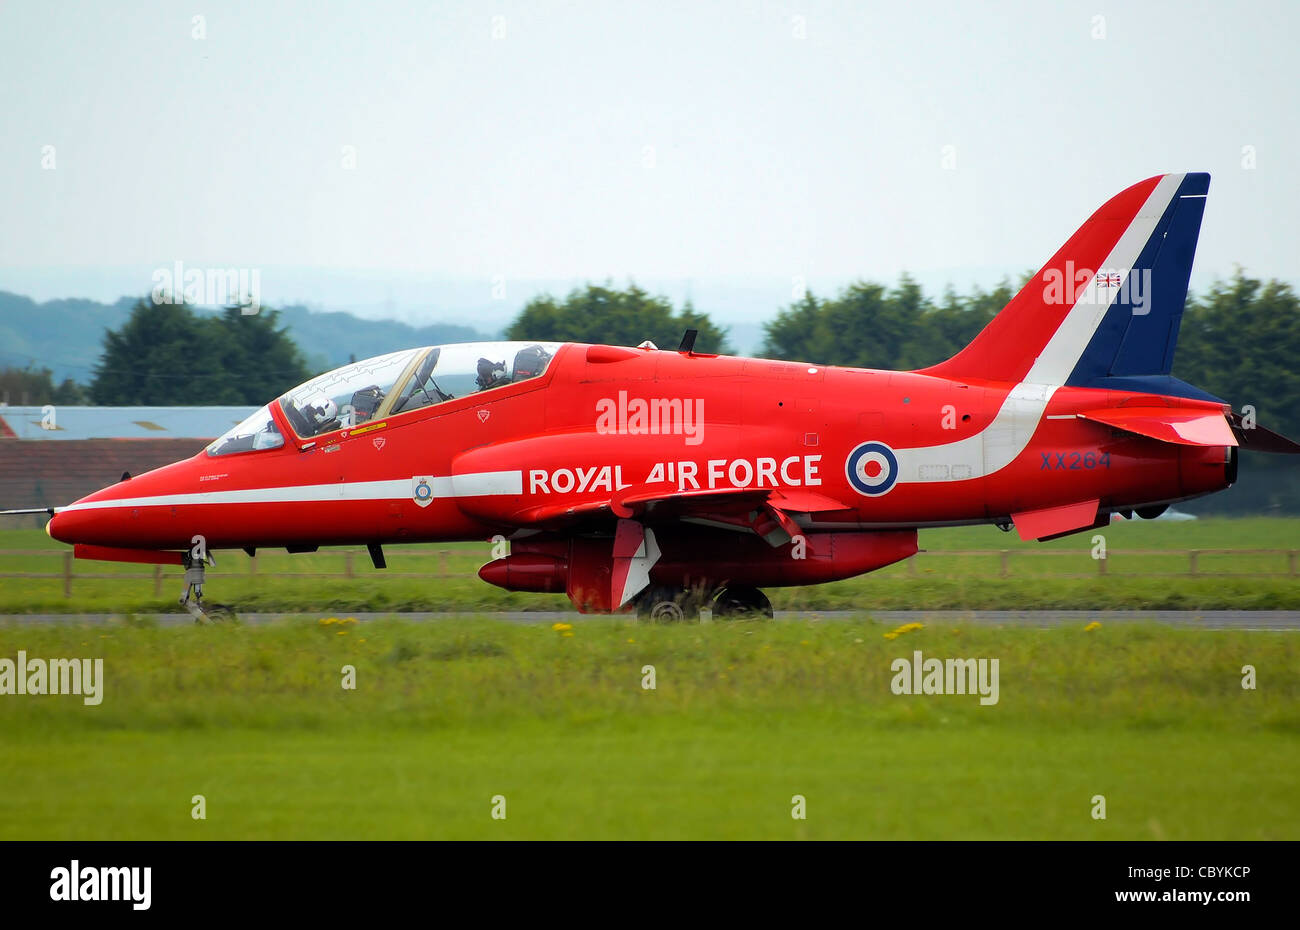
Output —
(66, 336)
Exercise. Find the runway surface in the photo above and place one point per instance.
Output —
(1189, 619)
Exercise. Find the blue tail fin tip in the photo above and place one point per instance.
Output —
(1137, 336)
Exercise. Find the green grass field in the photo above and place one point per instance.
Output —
(447, 715)
(420, 578)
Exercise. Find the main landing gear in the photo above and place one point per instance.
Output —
(661, 604)
(742, 603)
(209, 613)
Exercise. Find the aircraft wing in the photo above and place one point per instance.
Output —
(761, 509)
(765, 511)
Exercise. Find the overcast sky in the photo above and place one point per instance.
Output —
(702, 141)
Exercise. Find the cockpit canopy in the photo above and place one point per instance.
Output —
(387, 385)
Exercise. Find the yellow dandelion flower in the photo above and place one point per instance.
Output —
(561, 627)
(1092, 626)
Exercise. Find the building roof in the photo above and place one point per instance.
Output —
(50, 474)
(197, 423)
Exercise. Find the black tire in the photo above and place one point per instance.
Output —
(668, 605)
(220, 613)
(742, 603)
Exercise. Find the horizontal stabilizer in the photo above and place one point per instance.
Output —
(1055, 521)
(1168, 424)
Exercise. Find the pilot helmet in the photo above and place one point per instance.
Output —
(321, 409)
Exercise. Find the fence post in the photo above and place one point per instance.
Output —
(1101, 565)
(442, 563)
(1193, 557)
(911, 565)
(1005, 554)
(252, 565)
(347, 563)
(67, 574)
(1290, 562)
(157, 581)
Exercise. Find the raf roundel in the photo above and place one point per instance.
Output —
(872, 468)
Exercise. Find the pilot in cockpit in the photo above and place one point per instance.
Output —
(491, 374)
(322, 413)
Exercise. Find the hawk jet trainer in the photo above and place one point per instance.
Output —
(671, 480)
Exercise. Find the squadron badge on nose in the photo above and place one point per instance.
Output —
(422, 490)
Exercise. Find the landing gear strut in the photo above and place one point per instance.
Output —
(211, 613)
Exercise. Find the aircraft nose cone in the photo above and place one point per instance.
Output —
(62, 526)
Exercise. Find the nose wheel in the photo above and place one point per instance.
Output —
(192, 596)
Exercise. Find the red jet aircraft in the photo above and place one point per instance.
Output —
(676, 479)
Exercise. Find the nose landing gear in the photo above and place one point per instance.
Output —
(194, 574)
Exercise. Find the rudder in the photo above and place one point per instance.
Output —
(1105, 309)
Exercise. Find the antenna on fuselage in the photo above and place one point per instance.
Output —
(688, 341)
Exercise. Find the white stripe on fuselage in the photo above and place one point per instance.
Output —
(991, 449)
(481, 484)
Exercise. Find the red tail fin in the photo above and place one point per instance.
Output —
(1108, 303)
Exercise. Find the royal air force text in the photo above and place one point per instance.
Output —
(793, 471)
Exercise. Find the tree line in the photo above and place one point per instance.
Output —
(167, 355)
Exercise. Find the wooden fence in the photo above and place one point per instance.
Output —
(350, 556)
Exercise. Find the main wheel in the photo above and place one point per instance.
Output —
(741, 602)
(668, 605)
